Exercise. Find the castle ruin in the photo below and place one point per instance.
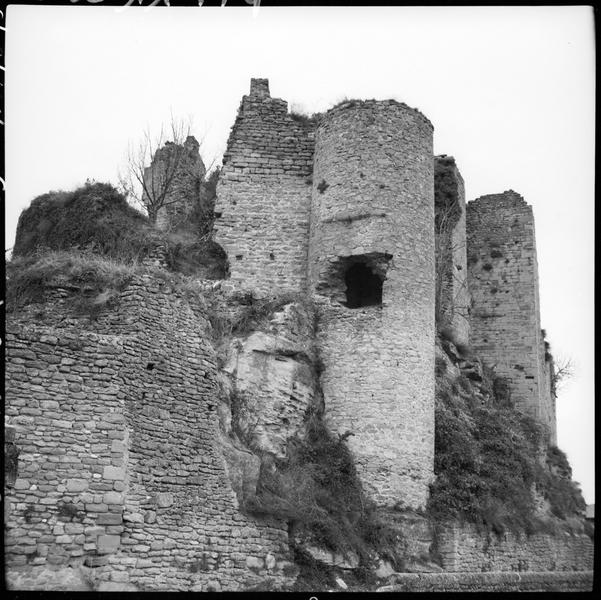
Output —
(131, 461)
(353, 207)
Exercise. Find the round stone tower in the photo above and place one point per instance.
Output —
(371, 268)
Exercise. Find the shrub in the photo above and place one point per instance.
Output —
(317, 490)
(95, 216)
(489, 458)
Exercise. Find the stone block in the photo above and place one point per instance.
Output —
(164, 499)
(134, 517)
(117, 446)
(107, 544)
(150, 516)
(112, 498)
(74, 528)
(255, 563)
(120, 576)
(76, 485)
(110, 519)
(114, 473)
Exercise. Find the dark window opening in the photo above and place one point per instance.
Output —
(363, 287)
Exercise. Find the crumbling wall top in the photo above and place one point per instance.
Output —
(372, 103)
(508, 196)
(259, 87)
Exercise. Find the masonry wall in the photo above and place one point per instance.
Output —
(264, 194)
(503, 281)
(492, 582)
(464, 550)
(547, 370)
(452, 294)
(120, 470)
(373, 204)
(179, 170)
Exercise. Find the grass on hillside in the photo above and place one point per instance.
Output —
(96, 280)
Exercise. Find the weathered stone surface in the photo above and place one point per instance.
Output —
(164, 499)
(77, 485)
(108, 543)
(505, 317)
(113, 473)
(463, 549)
(371, 192)
(492, 582)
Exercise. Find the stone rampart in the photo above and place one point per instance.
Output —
(492, 582)
(121, 470)
(464, 549)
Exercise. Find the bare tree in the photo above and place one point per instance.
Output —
(563, 369)
(450, 290)
(152, 167)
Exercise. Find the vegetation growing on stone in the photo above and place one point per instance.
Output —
(489, 458)
(95, 280)
(317, 490)
(95, 216)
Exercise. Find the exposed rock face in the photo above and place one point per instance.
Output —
(272, 381)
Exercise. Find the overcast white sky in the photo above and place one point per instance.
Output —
(510, 91)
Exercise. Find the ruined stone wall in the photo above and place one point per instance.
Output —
(373, 206)
(179, 170)
(492, 582)
(503, 282)
(452, 294)
(547, 370)
(121, 472)
(463, 550)
(264, 194)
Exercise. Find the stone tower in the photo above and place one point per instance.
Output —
(179, 169)
(264, 194)
(505, 318)
(371, 268)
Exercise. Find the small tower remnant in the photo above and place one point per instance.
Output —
(173, 180)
